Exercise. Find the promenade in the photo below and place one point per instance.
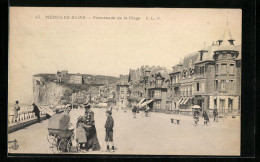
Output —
(145, 135)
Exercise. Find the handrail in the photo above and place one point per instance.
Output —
(23, 115)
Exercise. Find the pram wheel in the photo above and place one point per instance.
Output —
(50, 138)
(54, 146)
(63, 145)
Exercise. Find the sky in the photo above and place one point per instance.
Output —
(107, 47)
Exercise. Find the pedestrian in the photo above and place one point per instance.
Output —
(16, 109)
(215, 114)
(109, 131)
(206, 118)
(134, 111)
(147, 110)
(196, 116)
(92, 140)
(36, 112)
(81, 136)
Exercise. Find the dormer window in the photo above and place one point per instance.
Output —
(159, 81)
(219, 42)
(231, 41)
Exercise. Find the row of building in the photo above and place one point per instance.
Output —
(209, 77)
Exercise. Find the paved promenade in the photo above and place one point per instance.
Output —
(146, 135)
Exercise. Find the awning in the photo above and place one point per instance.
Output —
(186, 100)
(145, 103)
(140, 102)
(182, 101)
(179, 102)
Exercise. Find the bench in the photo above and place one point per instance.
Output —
(175, 121)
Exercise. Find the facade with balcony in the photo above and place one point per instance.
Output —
(122, 92)
(217, 76)
(157, 88)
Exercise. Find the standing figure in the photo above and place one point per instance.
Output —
(81, 134)
(215, 114)
(109, 131)
(92, 140)
(196, 116)
(36, 112)
(16, 109)
(134, 111)
(147, 110)
(206, 118)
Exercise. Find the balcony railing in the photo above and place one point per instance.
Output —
(158, 85)
(199, 75)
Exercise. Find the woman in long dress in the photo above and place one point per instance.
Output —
(92, 140)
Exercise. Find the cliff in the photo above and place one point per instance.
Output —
(47, 91)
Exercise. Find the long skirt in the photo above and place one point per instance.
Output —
(92, 140)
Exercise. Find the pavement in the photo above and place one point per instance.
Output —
(154, 135)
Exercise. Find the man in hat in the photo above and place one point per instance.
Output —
(92, 141)
(36, 112)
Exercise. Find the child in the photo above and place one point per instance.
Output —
(206, 118)
(109, 131)
(81, 135)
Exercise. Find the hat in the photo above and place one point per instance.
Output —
(86, 105)
(109, 112)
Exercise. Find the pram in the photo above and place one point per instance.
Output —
(59, 135)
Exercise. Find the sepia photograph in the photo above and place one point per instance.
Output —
(124, 81)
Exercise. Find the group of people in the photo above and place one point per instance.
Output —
(86, 133)
(17, 108)
(135, 110)
(196, 115)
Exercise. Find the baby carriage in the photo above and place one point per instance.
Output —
(60, 136)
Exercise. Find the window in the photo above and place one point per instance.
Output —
(223, 68)
(216, 85)
(231, 83)
(215, 103)
(158, 104)
(122, 96)
(168, 105)
(202, 87)
(176, 90)
(177, 79)
(222, 104)
(216, 68)
(157, 94)
(159, 82)
(230, 104)
(223, 84)
(231, 69)
(122, 90)
(201, 70)
(198, 86)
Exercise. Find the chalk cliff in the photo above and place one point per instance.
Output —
(45, 92)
